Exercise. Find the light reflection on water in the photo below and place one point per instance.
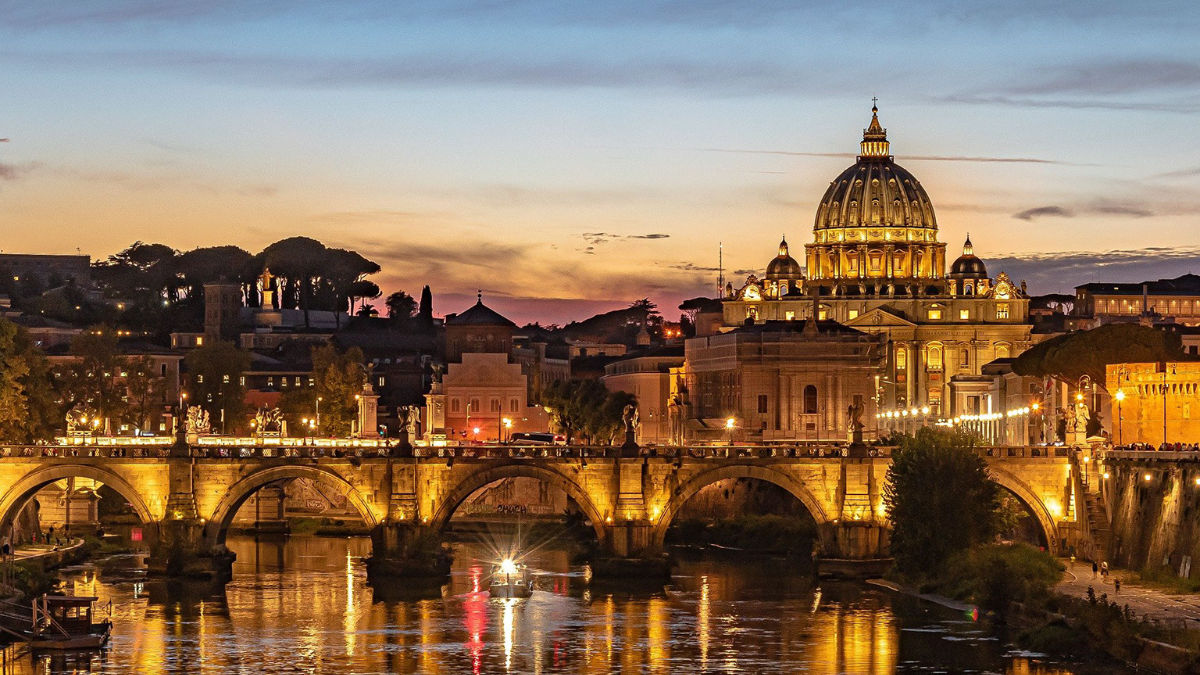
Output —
(304, 606)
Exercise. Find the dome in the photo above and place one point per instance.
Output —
(875, 192)
(784, 266)
(967, 264)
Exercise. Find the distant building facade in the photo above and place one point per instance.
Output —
(647, 376)
(1172, 300)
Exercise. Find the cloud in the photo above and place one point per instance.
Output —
(1044, 211)
(1097, 207)
(1061, 272)
(1114, 77)
(11, 172)
(1078, 104)
(597, 238)
(919, 158)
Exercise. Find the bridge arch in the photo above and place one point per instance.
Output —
(239, 492)
(27, 487)
(698, 482)
(492, 473)
(1026, 496)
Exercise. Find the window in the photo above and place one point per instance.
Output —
(224, 379)
(270, 381)
(934, 314)
(762, 404)
(752, 313)
(199, 379)
(964, 358)
(964, 314)
(810, 400)
(853, 314)
(823, 315)
(242, 380)
(1001, 310)
(454, 405)
(382, 380)
(163, 370)
(513, 405)
(495, 405)
(474, 405)
(901, 359)
(1002, 351)
(789, 315)
(934, 360)
(199, 341)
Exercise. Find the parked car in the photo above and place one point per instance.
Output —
(537, 438)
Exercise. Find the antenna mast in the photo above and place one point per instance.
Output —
(720, 269)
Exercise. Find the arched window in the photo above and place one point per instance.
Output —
(935, 357)
(495, 405)
(901, 359)
(513, 405)
(1002, 351)
(810, 400)
(454, 405)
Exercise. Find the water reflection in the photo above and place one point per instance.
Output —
(302, 605)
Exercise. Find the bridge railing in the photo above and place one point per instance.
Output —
(1024, 451)
(1150, 455)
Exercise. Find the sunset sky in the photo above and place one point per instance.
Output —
(570, 157)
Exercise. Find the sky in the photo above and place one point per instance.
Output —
(570, 157)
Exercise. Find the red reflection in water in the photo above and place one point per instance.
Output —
(475, 617)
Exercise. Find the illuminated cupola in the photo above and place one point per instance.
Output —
(784, 270)
(874, 142)
(875, 232)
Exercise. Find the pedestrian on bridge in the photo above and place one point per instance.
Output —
(1095, 569)
(1104, 569)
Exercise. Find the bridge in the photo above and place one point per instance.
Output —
(187, 496)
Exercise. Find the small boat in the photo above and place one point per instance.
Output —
(511, 580)
(65, 622)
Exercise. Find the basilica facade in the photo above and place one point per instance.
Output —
(875, 264)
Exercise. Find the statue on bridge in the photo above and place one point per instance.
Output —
(197, 420)
(630, 417)
(854, 414)
(269, 422)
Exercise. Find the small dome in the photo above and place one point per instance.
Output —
(784, 267)
(967, 264)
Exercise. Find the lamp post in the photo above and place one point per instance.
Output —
(507, 429)
(317, 419)
(730, 425)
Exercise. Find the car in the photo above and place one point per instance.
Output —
(537, 438)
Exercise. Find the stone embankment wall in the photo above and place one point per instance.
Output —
(1155, 512)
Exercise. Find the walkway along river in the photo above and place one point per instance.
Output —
(302, 604)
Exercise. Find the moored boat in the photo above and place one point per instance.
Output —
(511, 579)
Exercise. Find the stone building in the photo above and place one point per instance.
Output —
(484, 393)
(1172, 300)
(779, 381)
(876, 265)
(647, 375)
(1155, 402)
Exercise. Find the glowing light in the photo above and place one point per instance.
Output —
(925, 410)
(476, 429)
(1036, 406)
(1120, 395)
(729, 423)
(1104, 475)
(1078, 397)
(507, 566)
(1147, 477)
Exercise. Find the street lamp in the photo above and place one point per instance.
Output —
(317, 419)
(507, 429)
(730, 425)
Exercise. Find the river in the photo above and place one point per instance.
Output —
(302, 605)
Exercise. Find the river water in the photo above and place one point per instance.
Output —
(302, 605)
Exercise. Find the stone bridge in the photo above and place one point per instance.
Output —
(187, 497)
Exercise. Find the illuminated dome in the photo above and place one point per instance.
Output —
(875, 232)
(784, 266)
(967, 264)
(875, 192)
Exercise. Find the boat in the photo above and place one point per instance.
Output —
(58, 622)
(511, 579)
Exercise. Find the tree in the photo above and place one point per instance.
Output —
(28, 412)
(940, 500)
(338, 382)
(144, 391)
(93, 383)
(1069, 357)
(586, 407)
(214, 382)
(362, 290)
(400, 305)
(425, 312)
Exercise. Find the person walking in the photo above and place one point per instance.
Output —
(1116, 586)
(1104, 569)
(50, 535)
(1095, 569)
